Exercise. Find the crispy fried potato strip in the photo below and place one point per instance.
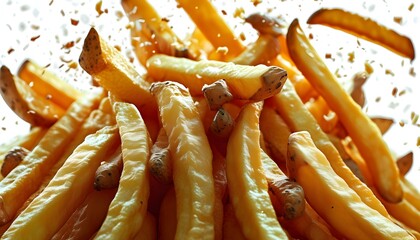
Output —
(365, 28)
(361, 129)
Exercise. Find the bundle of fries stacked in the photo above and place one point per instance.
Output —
(217, 141)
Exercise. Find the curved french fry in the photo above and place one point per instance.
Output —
(365, 28)
(26, 178)
(48, 85)
(26, 103)
(361, 129)
(332, 198)
(248, 188)
(66, 190)
(205, 14)
(192, 161)
(298, 118)
(244, 82)
(129, 207)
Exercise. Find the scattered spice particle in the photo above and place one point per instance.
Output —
(98, 7)
(119, 14)
(358, 42)
(68, 45)
(3, 128)
(35, 27)
(418, 141)
(414, 119)
(46, 66)
(311, 36)
(378, 99)
(389, 72)
(328, 55)
(224, 12)
(51, 2)
(412, 73)
(62, 13)
(73, 65)
(164, 19)
(35, 38)
(411, 7)
(256, 2)
(398, 20)
(402, 124)
(118, 47)
(239, 12)
(402, 92)
(74, 22)
(351, 56)
(394, 91)
(242, 36)
(368, 68)
(10, 51)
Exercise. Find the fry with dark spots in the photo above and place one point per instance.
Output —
(12, 159)
(222, 124)
(108, 174)
(217, 94)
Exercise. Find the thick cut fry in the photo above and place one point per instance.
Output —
(332, 198)
(262, 51)
(204, 14)
(25, 102)
(289, 194)
(129, 207)
(108, 174)
(276, 134)
(167, 216)
(88, 217)
(365, 28)
(26, 178)
(361, 129)
(192, 161)
(12, 159)
(167, 41)
(48, 85)
(160, 162)
(112, 71)
(248, 188)
(298, 118)
(244, 82)
(67, 189)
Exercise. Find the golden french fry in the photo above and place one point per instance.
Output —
(67, 189)
(25, 102)
(191, 153)
(361, 129)
(205, 14)
(332, 198)
(112, 71)
(26, 178)
(244, 82)
(248, 188)
(47, 84)
(365, 28)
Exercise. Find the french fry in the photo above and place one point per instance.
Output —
(248, 190)
(129, 207)
(217, 94)
(411, 193)
(222, 124)
(143, 47)
(166, 39)
(26, 178)
(112, 71)
(298, 118)
(289, 194)
(88, 217)
(47, 84)
(160, 162)
(332, 198)
(276, 134)
(220, 186)
(244, 82)
(25, 102)
(205, 14)
(192, 159)
(108, 174)
(67, 189)
(365, 28)
(405, 212)
(167, 216)
(12, 159)
(262, 51)
(326, 118)
(361, 129)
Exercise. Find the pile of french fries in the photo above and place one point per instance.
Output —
(218, 140)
